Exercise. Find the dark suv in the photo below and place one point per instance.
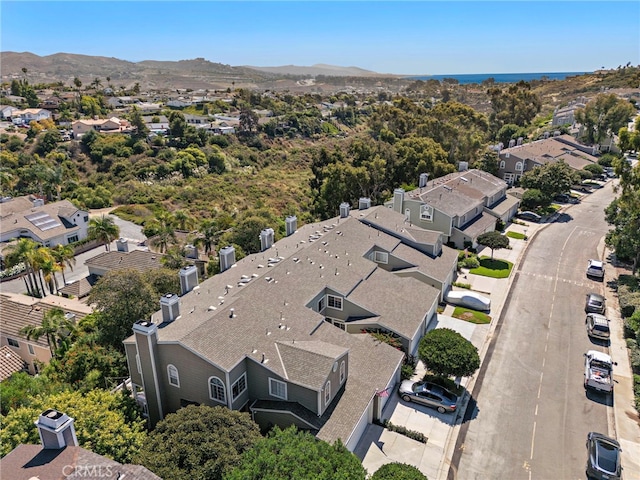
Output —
(603, 462)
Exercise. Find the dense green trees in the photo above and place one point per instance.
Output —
(445, 352)
(106, 423)
(199, 442)
(297, 454)
(515, 104)
(604, 116)
(623, 213)
(551, 179)
(55, 327)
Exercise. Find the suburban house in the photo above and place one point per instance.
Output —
(28, 115)
(282, 333)
(6, 111)
(51, 224)
(104, 262)
(10, 362)
(179, 103)
(196, 119)
(518, 159)
(462, 205)
(566, 115)
(19, 311)
(59, 456)
(101, 125)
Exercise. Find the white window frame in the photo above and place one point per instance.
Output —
(343, 372)
(502, 164)
(242, 379)
(407, 214)
(321, 304)
(334, 301)
(426, 213)
(277, 388)
(12, 342)
(31, 350)
(174, 379)
(220, 389)
(327, 393)
(380, 257)
(519, 166)
(138, 365)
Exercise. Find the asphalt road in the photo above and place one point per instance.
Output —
(532, 414)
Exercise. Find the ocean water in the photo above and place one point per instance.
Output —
(500, 77)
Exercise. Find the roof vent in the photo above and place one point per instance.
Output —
(266, 239)
(424, 178)
(291, 224)
(344, 209)
(188, 278)
(227, 257)
(170, 307)
(56, 430)
(122, 245)
(364, 203)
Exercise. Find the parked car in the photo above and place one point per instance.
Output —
(468, 299)
(595, 268)
(429, 394)
(597, 326)
(530, 216)
(595, 303)
(603, 461)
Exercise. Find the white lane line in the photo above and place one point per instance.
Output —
(540, 385)
(533, 439)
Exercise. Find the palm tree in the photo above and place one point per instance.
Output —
(65, 257)
(104, 230)
(24, 252)
(182, 219)
(49, 267)
(55, 327)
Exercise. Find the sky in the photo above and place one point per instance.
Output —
(408, 38)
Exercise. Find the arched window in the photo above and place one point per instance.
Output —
(172, 373)
(342, 371)
(216, 390)
(502, 164)
(519, 166)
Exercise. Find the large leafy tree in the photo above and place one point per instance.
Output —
(106, 423)
(551, 178)
(297, 454)
(494, 240)
(199, 442)
(122, 297)
(603, 116)
(445, 352)
(623, 213)
(103, 229)
(398, 471)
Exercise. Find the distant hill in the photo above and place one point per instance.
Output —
(196, 73)
(322, 69)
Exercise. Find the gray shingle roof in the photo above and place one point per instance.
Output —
(10, 362)
(308, 363)
(137, 259)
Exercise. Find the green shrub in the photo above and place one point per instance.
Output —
(634, 358)
(636, 391)
(629, 300)
(418, 436)
(632, 325)
(407, 371)
(462, 285)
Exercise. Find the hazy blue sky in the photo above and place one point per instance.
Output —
(415, 37)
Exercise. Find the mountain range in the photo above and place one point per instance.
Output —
(193, 73)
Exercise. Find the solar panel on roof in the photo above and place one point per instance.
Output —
(43, 221)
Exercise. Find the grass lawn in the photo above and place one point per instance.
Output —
(472, 316)
(495, 268)
(516, 235)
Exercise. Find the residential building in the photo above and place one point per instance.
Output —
(59, 456)
(518, 159)
(566, 115)
(281, 334)
(462, 205)
(10, 362)
(101, 125)
(6, 111)
(28, 115)
(19, 311)
(105, 262)
(51, 224)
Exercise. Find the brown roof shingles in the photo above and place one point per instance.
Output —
(10, 362)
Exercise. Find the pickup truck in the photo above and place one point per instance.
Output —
(598, 371)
